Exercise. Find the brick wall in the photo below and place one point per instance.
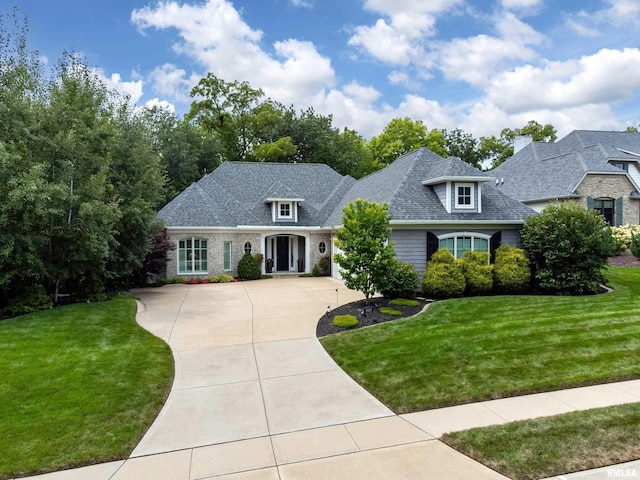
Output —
(611, 186)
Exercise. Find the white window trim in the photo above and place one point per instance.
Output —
(471, 235)
(192, 262)
(279, 210)
(224, 244)
(459, 206)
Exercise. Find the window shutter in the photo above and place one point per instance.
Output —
(618, 211)
(494, 243)
(432, 244)
(590, 203)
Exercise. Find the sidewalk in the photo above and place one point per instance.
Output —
(255, 396)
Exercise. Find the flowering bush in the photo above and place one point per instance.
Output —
(622, 235)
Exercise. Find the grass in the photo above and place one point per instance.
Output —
(80, 385)
(551, 446)
(473, 349)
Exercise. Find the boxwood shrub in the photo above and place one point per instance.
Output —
(478, 274)
(443, 277)
(511, 270)
(402, 280)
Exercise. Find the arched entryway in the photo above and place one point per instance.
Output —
(285, 253)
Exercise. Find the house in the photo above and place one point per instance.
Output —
(288, 212)
(599, 170)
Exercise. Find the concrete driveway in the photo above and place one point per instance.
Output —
(255, 392)
(255, 396)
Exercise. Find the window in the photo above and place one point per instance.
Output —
(285, 210)
(624, 166)
(192, 255)
(457, 244)
(322, 247)
(227, 256)
(247, 247)
(606, 208)
(464, 195)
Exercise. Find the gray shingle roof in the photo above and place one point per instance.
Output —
(234, 194)
(400, 186)
(554, 170)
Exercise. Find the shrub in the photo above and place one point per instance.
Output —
(249, 268)
(324, 266)
(345, 321)
(402, 280)
(443, 277)
(220, 279)
(568, 247)
(404, 302)
(511, 270)
(33, 299)
(315, 272)
(635, 245)
(478, 274)
(622, 235)
(390, 311)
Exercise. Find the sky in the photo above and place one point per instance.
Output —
(477, 65)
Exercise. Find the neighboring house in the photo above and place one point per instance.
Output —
(288, 212)
(599, 170)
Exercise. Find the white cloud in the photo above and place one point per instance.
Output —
(398, 39)
(622, 12)
(607, 76)
(385, 43)
(581, 29)
(215, 35)
(133, 89)
(520, 4)
(301, 3)
(163, 104)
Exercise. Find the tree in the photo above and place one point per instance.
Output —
(464, 146)
(80, 180)
(239, 115)
(401, 136)
(568, 247)
(186, 151)
(499, 149)
(365, 252)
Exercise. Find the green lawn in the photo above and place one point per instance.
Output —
(472, 349)
(80, 384)
(557, 445)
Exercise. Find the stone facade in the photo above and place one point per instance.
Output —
(215, 251)
(611, 186)
(314, 253)
(238, 239)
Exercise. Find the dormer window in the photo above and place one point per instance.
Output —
(285, 210)
(464, 195)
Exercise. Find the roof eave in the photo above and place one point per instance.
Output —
(435, 181)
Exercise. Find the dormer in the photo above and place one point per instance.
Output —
(459, 194)
(284, 209)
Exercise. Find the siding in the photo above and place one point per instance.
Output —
(411, 247)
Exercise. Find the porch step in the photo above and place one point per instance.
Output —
(284, 274)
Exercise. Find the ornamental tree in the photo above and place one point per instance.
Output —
(365, 253)
(568, 247)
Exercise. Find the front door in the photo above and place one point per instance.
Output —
(283, 254)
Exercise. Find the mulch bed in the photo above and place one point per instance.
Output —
(325, 324)
(625, 259)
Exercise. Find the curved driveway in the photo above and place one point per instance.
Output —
(255, 392)
(255, 396)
